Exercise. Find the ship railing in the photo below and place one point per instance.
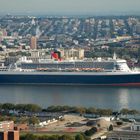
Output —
(26, 70)
(70, 70)
(4, 69)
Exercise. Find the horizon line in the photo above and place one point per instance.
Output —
(97, 13)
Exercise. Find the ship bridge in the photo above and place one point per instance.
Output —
(121, 65)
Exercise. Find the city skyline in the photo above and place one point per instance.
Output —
(70, 7)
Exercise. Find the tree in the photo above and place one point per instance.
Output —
(90, 132)
(32, 108)
(2, 118)
(8, 106)
(20, 107)
(124, 111)
(93, 130)
(23, 120)
(0, 106)
(66, 137)
(91, 110)
(133, 112)
(79, 137)
(110, 128)
(80, 110)
(119, 123)
(106, 112)
(54, 137)
(44, 137)
(29, 137)
(33, 120)
(51, 109)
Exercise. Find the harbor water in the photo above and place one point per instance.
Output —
(86, 96)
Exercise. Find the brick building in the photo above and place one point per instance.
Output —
(3, 135)
(9, 135)
(6, 125)
(20, 127)
(13, 135)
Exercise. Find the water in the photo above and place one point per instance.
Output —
(87, 96)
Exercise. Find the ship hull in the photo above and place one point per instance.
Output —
(101, 79)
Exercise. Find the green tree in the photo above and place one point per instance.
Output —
(133, 112)
(29, 137)
(2, 118)
(33, 108)
(119, 123)
(105, 112)
(0, 106)
(51, 109)
(79, 137)
(91, 110)
(66, 137)
(8, 106)
(124, 111)
(44, 137)
(54, 137)
(20, 107)
(33, 120)
(23, 119)
(110, 128)
(90, 132)
(80, 110)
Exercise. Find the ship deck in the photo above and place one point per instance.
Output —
(66, 73)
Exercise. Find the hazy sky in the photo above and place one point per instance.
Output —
(69, 6)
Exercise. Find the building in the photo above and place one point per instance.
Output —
(72, 53)
(124, 135)
(7, 125)
(88, 53)
(137, 28)
(13, 135)
(35, 54)
(20, 127)
(3, 135)
(3, 32)
(33, 43)
(135, 126)
(11, 60)
(9, 135)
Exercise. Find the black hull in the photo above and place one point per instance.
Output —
(71, 79)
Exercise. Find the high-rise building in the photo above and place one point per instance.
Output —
(137, 28)
(33, 43)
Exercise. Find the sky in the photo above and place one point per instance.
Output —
(69, 6)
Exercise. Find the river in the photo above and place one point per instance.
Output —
(86, 96)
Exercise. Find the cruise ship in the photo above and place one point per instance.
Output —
(99, 72)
